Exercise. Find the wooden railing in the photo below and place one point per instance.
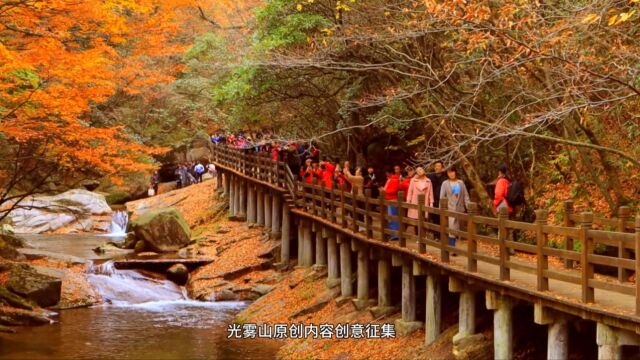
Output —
(367, 216)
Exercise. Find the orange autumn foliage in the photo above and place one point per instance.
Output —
(60, 57)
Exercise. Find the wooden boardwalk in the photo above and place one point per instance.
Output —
(555, 269)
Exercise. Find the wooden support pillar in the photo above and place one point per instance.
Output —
(346, 285)
(276, 213)
(232, 195)
(321, 247)
(260, 206)
(236, 196)
(408, 324)
(227, 184)
(219, 181)
(300, 241)
(384, 282)
(611, 340)
(363, 276)
(558, 340)
(502, 307)
(307, 244)
(433, 321)
(466, 309)
(285, 247)
(267, 210)
(252, 215)
(333, 261)
(242, 199)
(557, 331)
(408, 294)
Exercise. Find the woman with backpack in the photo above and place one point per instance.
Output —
(502, 190)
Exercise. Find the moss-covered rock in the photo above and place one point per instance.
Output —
(162, 230)
(40, 285)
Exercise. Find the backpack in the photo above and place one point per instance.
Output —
(515, 193)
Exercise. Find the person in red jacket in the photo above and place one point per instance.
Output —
(326, 174)
(406, 181)
(391, 189)
(307, 173)
(501, 190)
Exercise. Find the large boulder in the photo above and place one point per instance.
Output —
(40, 285)
(48, 213)
(8, 245)
(162, 230)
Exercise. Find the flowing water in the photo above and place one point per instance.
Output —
(143, 318)
(119, 222)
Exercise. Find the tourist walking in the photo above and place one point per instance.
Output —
(199, 171)
(501, 191)
(391, 188)
(419, 185)
(155, 181)
(437, 178)
(454, 190)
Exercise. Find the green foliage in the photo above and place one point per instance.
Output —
(281, 25)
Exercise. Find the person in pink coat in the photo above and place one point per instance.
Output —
(420, 184)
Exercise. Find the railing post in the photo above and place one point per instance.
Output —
(313, 199)
(422, 247)
(624, 213)
(383, 213)
(586, 221)
(367, 214)
(444, 225)
(503, 215)
(401, 226)
(322, 210)
(354, 213)
(472, 245)
(332, 213)
(542, 263)
(637, 235)
(343, 212)
(568, 241)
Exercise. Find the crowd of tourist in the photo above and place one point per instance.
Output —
(306, 164)
(442, 183)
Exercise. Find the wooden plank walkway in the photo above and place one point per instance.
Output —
(563, 276)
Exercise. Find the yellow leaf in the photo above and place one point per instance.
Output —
(612, 20)
(591, 18)
(299, 7)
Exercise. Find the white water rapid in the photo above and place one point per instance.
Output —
(119, 222)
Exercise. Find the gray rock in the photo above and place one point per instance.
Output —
(40, 254)
(262, 289)
(8, 251)
(48, 213)
(20, 317)
(90, 184)
(226, 295)
(110, 248)
(14, 300)
(140, 247)
(162, 230)
(178, 273)
(38, 284)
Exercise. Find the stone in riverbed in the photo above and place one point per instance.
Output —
(14, 300)
(140, 247)
(40, 285)
(8, 249)
(20, 317)
(178, 273)
(163, 230)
